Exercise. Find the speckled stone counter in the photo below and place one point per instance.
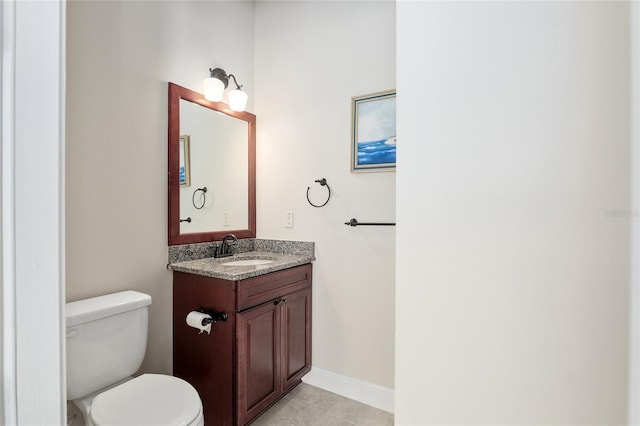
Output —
(197, 258)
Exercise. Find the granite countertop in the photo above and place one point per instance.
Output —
(214, 267)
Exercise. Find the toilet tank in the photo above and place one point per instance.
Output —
(106, 340)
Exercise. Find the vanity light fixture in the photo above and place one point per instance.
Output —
(214, 89)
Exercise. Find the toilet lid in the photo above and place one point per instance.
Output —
(150, 399)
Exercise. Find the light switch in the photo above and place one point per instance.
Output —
(289, 223)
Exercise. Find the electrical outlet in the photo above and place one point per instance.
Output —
(289, 219)
(226, 218)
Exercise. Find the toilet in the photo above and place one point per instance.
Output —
(106, 343)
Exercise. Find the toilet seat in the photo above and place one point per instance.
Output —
(150, 399)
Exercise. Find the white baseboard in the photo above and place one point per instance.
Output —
(366, 393)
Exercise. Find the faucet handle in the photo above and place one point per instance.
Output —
(231, 236)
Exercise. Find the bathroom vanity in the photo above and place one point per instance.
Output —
(260, 347)
(263, 348)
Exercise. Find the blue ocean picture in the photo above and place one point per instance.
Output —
(377, 152)
(375, 131)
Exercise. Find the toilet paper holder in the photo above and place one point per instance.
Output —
(215, 316)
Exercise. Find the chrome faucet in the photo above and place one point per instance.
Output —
(224, 249)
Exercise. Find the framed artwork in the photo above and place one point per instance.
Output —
(373, 133)
(184, 172)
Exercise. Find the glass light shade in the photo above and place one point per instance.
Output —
(237, 100)
(213, 89)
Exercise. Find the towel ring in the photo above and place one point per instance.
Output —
(204, 197)
(322, 182)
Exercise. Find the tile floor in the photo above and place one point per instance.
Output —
(307, 405)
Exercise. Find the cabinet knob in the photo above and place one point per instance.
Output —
(280, 301)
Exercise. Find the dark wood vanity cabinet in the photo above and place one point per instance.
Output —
(255, 357)
(273, 351)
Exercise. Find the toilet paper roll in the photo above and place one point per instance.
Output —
(196, 319)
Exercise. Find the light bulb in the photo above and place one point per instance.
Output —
(213, 89)
(237, 100)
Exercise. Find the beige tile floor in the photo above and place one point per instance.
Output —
(307, 405)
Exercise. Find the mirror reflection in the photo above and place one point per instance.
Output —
(211, 169)
(215, 159)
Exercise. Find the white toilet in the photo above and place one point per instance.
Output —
(106, 342)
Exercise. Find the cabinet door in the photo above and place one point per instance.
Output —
(296, 337)
(258, 343)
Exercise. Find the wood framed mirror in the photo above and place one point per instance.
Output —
(212, 169)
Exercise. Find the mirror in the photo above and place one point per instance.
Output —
(212, 181)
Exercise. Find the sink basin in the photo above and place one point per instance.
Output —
(247, 262)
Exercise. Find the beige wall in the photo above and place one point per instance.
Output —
(120, 56)
(311, 58)
(634, 298)
(514, 118)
